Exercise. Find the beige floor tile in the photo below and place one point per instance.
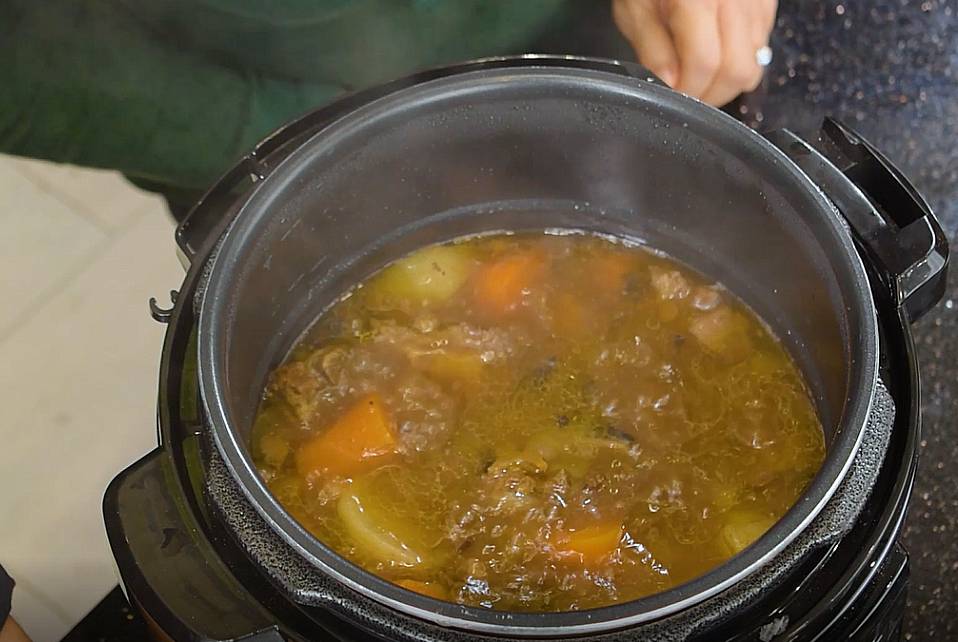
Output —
(105, 197)
(42, 244)
(78, 392)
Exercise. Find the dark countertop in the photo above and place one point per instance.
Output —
(890, 70)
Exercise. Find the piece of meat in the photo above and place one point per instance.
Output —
(330, 362)
(632, 385)
(300, 386)
(706, 298)
(669, 284)
(423, 412)
(491, 344)
(722, 332)
(508, 487)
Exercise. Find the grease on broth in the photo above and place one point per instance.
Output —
(537, 423)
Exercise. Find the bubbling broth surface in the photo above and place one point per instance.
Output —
(536, 422)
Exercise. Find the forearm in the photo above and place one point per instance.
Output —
(85, 85)
(11, 632)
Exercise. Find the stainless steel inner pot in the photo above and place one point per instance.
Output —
(530, 147)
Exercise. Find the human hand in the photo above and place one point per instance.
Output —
(11, 632)
(704, 48)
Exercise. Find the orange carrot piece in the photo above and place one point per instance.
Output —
(429, 589)
(611, 270)
(592, 543)
(571, 316)
(499, 285)
(362, 436)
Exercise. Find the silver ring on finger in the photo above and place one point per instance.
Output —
(763, 56)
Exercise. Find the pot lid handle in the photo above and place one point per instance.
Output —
(892, 223)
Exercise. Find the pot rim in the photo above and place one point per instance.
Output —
(863, 374)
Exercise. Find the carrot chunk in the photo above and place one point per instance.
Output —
(592, 543)
(362, 436)
(429, 589)
(610, 272)
(570, 316)
(500, 285)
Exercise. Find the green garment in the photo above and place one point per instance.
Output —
(172, 92)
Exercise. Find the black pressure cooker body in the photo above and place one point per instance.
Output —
(821, 235)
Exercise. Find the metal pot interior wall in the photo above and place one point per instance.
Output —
(549, 151)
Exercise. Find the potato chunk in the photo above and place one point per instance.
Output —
(275, 448)
(742, 527)
(384, 523)
(373, 536)
(431, 275)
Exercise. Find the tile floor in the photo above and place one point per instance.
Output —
(81, 253)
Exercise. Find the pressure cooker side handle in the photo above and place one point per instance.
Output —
(892, 222)
(166, 571)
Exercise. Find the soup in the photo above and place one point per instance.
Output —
(537, 422)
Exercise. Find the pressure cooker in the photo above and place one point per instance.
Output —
(816, 231)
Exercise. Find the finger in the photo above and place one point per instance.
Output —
(739, 70)
(642, 25)
(695, 31)
(762, 21)
(767, 9)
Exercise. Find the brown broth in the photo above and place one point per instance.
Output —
(538, 423)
